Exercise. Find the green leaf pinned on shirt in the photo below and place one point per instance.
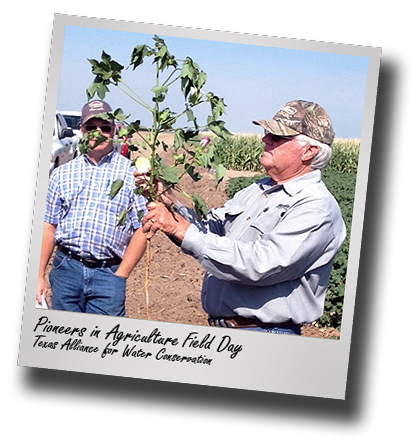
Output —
(122, 217)
(116, 187)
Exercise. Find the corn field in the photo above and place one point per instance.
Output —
(243, 151)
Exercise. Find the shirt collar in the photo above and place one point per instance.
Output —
(294, 186)
(106, 159)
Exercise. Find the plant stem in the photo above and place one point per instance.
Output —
(135, 97)
(152, 145)
(147, 269)
(167, 83)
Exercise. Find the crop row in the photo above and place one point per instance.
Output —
(243, 152)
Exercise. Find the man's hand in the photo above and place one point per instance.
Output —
(46, 252)
(159, 218)
(160, 188)
(133, 254)
(42, 290)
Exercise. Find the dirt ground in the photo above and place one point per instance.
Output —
(175, 279)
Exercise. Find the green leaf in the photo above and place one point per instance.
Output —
(189, 76)
(97, 87)
(123, 131)
(178, 138)
(116, 187)
(166, 119)
(106, 70)
(134, 126)
(179, 159)
(201, 79)
(195, 96)
(220, 173)
(217, 105)
(91, 91)
(203, 159)
(169, 174)
(138, 55)
(196, 176)
(162, 55)
(118, 115)
(200, 206)
(188, 69)
(190, 116)
(190, 136)
(122, 217)
(140, 215)
(159, 93)
(218, 127)
(101, 91)
(83, 144)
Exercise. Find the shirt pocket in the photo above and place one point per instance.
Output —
(266, 221)
(231, 215)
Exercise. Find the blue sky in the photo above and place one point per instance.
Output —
(254, 81)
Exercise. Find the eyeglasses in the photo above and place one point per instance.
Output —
(104, 128)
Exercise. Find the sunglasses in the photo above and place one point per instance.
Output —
(276, 138)
(104, 128)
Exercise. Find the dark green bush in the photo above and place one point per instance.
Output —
(342, 185)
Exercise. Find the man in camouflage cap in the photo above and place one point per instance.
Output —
(268, 251)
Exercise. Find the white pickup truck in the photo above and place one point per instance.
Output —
(73, 119)
(64, 143)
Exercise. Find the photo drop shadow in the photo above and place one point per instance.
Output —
(264, 404)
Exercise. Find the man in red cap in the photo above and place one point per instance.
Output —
(268, 252)
(95, 253)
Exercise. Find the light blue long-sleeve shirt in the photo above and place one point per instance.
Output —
(268, 252)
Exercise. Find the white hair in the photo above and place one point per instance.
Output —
(321, 160)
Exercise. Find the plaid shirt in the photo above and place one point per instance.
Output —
(78, 203)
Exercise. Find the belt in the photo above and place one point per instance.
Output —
(90, 262)
(241, 322)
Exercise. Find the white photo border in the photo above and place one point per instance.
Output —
(282, 364)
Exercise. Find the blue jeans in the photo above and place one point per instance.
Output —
(290, 329)
(78, 288)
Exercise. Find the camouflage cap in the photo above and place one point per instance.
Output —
(93, 108)
(300, 117)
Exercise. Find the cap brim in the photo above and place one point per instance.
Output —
(276, 127)
(95, 115)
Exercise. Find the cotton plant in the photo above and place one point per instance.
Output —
(190, 149)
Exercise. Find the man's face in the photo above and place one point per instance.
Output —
(106, 129)
(285, 158)
(282, 157)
